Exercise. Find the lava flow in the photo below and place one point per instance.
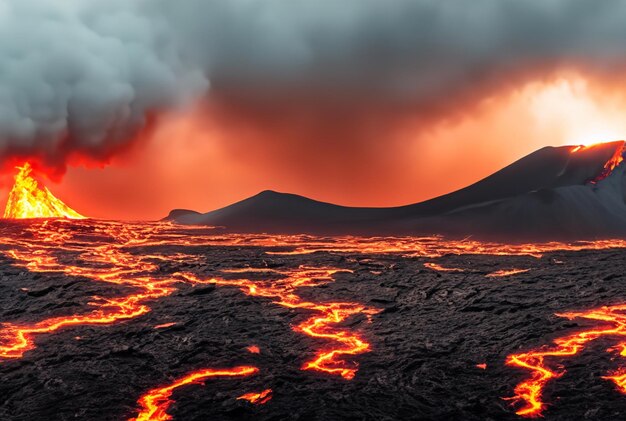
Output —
(613, 162)
(157, 401)
(317, 326)
(257, 398)
(28, 200)
(437, 267)
(530, 391)
(125, 257)
(103, 252)
(105, 262)
(506, 272)
(110, 263)
(105, 257)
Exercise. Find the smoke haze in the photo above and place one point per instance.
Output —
(327, 92)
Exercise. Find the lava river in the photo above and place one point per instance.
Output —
(123, 255)
(108, 261)
(529, 392)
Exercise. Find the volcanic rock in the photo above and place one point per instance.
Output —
(562, 192)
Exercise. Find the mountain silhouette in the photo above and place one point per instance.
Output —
(566, 192)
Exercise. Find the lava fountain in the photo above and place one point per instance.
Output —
(28, 200)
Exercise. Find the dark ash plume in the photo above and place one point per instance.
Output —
(81, 77)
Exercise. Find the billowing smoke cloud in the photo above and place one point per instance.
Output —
(405, 51)
(83, 76)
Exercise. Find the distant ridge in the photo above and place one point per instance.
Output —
(567, 192)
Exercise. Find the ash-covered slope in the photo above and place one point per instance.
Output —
(556, 192)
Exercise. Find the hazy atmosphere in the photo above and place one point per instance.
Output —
(200, 103)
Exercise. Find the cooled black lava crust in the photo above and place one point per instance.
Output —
(432, 331)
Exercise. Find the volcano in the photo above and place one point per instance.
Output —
(564, 193)
(111, 320)
(28, 200)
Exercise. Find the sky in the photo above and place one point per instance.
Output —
(131, 109)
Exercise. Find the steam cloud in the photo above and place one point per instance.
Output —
(83, 76)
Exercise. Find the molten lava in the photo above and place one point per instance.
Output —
(253, 349)
(530, 391)
(157, 401)
(28, 200)
(108, 261)
(613, 162)
(257, 398)
(439, 268)
(125, 256)
(319, 325)
(506, 272)
(165, 325)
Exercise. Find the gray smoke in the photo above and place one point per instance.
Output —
(83, 76)
(398, 50)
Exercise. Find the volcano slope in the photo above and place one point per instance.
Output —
(112, 321)
(566, 193)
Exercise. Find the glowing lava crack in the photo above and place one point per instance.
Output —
(318, 325)
(109, 261)
(121, 255)
(530, 391)
(157, 401)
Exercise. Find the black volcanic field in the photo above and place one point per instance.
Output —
(432, 331)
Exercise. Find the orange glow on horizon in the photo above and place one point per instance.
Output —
(196, 161)
(579, 111)
(612, 163)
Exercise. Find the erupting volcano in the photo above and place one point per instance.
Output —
(562, 193)
(260, 319)
(28, 200)
(443, 238)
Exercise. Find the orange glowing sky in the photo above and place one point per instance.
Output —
(199, 162)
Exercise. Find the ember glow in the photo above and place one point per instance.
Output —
(529, 393)
(114, 265)
(610, 164)
(155, 403)
(283, 291)
(257, 398)
(28, 200)
(116, 254)
(506, 272)
(439, 268)
(164, 325)
(253, 349)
